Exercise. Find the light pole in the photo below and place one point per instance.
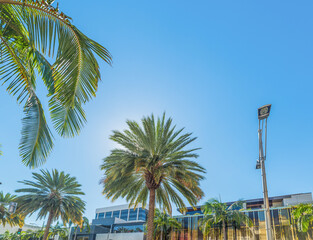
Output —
(263, 113)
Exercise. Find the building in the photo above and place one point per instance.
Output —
(124, 223)
(283, 226)
(14, 229)
(274, 202)
(115, 223)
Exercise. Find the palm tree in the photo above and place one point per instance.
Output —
(39, 234)
(219, 214)
(83, 225)
(164, 225)
(29, 234)
(303, 215)
(55, 195)
(31, 31)
(13, 219)
(6, 236)
(153, 162)
(237, 218)
(58, 230)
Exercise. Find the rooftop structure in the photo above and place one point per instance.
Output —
(115, 222)
(277, 201)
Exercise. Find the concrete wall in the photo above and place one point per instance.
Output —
(120, 236)
(298, 198)
(15, 228)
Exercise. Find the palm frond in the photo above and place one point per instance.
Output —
(36, 143)
(29, 32)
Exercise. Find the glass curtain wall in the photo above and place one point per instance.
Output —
(283, 228)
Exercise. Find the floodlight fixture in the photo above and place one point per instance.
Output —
(264, 111)
(258, 164)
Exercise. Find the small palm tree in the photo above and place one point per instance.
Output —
(30, 32)
(217, 213)
(153, 163)
(39, 234)
(29, 234)
(55, 195)
(58, 230)
(164, 225)
(83, 225)
(13, 219)
(303, 215)
(6, 236)
(237, 218)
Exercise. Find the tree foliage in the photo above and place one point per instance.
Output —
(57, 230)
(303, 215)
(53, 194)
(219, 214)
(31, 32)
(164, 225)
(13, 219)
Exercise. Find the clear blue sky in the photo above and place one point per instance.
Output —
(209, 65)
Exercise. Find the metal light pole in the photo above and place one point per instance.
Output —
(263, 113)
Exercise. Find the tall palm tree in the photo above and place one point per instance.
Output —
(152, 163)
(303, 215)
(30, 32)
(13, 219)
(217, 213)
(164, 225)
(53, 194)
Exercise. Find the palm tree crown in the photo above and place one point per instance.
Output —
(164, 225)
(13, 219)
(30, 31)
(54, 194)
(303, 214)
(218, 213)
(154, 163)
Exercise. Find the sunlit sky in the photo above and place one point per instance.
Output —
(207, 64)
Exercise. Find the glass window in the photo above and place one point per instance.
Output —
(185, 223)
(126, 229)
(101, 215)
(124, 214)
(256, 218)
(82, 238)
(142, 214)
(116, 214)
(261, 216)
(275, 216)
(108, 214)
(133, 214)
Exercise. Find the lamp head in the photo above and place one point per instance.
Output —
(264, 111)
(258, 164)
(12, 207)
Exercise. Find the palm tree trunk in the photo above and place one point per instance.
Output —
(45, 236)
(224, 230)
(151, 214)
(75, 236)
